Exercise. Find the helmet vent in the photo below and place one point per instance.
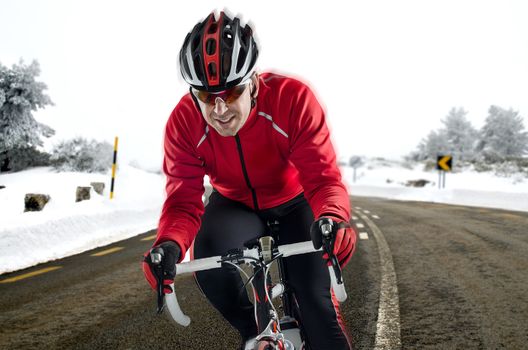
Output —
(195, 43)
(241, 60)
(210, 46)
(213, 28)
(212, 69)
(198, 65)
(228, 38)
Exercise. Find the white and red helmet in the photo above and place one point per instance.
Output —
(218, 54)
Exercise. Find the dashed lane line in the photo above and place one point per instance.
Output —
(108, 251)
(366, 211)
(149, 238)
(30, 274)
(388, 334)
(355, 218)
(375, 217)
(363, 235)
(358, 225)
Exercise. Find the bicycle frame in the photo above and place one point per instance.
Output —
(266, 315)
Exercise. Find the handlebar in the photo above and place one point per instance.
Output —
(248, 255)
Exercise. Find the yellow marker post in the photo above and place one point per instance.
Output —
(113, 169)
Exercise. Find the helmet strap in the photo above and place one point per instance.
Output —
(253, 97)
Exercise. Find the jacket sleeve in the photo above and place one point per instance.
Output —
(183, 207)
(312, 153)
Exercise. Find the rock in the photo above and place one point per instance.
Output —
(83, 193)
(417, 183)
(1, 187)
(35, 201)
(98, 187)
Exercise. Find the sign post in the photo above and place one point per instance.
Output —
(444, 164)
(355, 162)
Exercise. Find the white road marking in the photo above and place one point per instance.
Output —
(363, 235)
(375, 216)
(388, 335)
(355, 218)
(360, 225)
(358, 208)
(366, 211)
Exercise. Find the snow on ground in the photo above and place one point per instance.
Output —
(65, 228)
(387, 179)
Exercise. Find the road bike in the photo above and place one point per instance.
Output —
(274, 332)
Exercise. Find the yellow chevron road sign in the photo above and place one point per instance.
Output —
(444, 162)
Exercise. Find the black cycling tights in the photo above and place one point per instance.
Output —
(227, 224)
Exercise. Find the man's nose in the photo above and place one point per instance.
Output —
(220, 106)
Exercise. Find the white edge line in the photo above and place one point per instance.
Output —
(388, 333)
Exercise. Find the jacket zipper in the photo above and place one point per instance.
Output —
(244, 170)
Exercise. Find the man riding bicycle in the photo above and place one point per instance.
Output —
(263, 141)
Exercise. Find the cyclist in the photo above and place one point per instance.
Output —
(263, 141)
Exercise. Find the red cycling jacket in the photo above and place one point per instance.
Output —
(282, 150)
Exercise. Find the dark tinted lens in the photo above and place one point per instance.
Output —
(227, 96)
(204, 96)
(235, 93)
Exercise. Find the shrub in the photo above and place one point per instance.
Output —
(80, 154)
(17, 159)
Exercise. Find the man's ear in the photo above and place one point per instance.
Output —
(256, 81)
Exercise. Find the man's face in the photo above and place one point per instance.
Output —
(227, 118)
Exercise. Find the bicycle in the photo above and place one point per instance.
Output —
(285, 333)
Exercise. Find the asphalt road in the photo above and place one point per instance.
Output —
(460, 281)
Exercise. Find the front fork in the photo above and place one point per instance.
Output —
(264, 309)
(267, 318)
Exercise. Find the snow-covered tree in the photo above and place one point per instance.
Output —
(503, 135)
(457, 137)
(80, 154)
(430, 147)
(461, 136)
(20, 95)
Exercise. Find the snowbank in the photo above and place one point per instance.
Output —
(387, 179)
(64, 227)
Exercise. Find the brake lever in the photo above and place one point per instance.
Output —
(326, 230)
(156, 255)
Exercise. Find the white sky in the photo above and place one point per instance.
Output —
(386, 71)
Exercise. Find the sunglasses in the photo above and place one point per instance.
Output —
(228, 96)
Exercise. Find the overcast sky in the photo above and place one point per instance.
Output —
(386, 71)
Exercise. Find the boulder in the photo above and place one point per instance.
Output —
(417, 183)
(83, 193)
(35, 201)
(98, 187)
